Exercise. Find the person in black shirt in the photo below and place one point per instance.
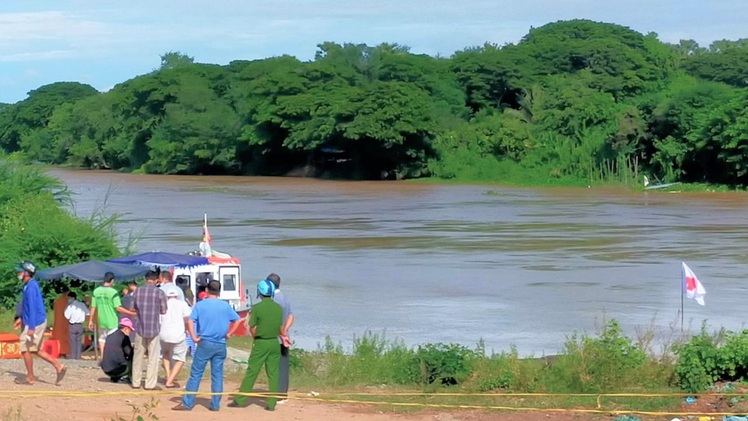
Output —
(117, 359)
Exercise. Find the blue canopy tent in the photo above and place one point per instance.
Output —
(161, 259)
(92, 271)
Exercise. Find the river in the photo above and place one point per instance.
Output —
(420, 262)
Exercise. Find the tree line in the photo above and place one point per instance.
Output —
(573, 100)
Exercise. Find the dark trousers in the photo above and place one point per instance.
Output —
(283, 371)
(119, 372)
(75, 336)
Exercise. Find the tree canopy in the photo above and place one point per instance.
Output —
(576, 100)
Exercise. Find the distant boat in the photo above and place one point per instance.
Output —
(657, 186)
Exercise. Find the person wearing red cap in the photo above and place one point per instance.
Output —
(116, 360)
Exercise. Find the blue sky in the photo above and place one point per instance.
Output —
(103, 43)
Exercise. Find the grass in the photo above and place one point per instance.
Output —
(377, 369)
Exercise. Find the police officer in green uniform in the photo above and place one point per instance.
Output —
(264, 325)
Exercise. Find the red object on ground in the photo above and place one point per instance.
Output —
(51, 347)
(9, 346)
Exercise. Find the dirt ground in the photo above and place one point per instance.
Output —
(86, 377)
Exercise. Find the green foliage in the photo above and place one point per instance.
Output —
(142, 412)
(574, 102)
(728, 66)
(599, 364)
(32, 114)
(444, 364)
(699, 362)
(34, 225)
(506, 371)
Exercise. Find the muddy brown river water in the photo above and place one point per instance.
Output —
(522, 267)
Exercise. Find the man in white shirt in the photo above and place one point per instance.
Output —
(166, 284)
(76, 313)
(172, 335)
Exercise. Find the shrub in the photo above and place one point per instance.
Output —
(441, 363)
(699, 362)
(35, 225)
(607, 362)
(507, 371)
(733, 361)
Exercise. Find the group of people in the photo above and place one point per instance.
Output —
(269, 323)
(153, 320)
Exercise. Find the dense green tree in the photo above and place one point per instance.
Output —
(574, 100)
(33, 113)
(729, 66)
(174, 59)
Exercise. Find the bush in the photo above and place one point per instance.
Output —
(508, 372)
(441, 363)
(34, 225)
(699, 362)
(601, 364)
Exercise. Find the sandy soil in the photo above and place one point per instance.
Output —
(85, 376)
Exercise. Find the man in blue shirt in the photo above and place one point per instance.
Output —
(34, 322)
(216, 322)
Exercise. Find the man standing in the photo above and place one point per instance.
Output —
(264, 325)
(75, 313)
(165, 279)
(105, 306)
(215, 323)
(284, 340)
(128, 302)
(34, 322)
(117, 358)
(150, 304)
(173, 339)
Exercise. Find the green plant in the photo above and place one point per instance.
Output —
(599, 364)
(733, 361)
(140, 412)
(698, 363)
(441, 363)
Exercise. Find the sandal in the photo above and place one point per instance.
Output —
(61, 375)
(23, 381)
(175, 385)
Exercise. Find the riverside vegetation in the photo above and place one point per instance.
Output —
(36, 225)
(573, 102)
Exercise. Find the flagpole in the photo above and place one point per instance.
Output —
(682, 293)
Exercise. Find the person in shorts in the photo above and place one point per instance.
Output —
(34, 322)
(105, 307)
(173, 337)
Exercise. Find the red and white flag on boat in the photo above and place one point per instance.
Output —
(693, 287)
(205, 244)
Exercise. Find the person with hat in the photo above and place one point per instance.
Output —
(105, 306)
(34, 322)
(265, 326)
(285, 343)
(116, 360)
(216, 322)
(172, 336)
